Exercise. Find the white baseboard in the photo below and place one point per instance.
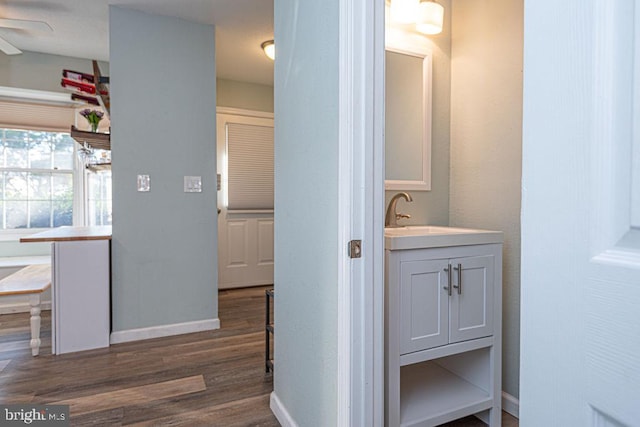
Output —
(164, 331)
(510, 405)
(281, 412)
(22, 307)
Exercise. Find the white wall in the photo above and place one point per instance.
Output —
(486, 142)
(163, 124)
(306, 203)
(432, 207)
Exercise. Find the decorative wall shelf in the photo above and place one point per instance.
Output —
(99, 167)
(92, 89)
(89, 88)
(102, 90)
(97, 140)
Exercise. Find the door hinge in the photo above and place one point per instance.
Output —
(355, 249)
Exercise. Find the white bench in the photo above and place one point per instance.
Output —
(20, 303)
(32, 280)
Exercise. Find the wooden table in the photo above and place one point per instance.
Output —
(80, 291)
(33, 280)
(70, 234)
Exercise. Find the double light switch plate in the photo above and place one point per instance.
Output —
(193, 184)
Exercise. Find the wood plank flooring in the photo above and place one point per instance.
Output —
(213, 378)
(507, 421)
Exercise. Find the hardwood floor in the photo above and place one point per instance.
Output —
(211, 378)
(507, 421)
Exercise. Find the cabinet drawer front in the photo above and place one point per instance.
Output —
(471, 311)
(424, 306)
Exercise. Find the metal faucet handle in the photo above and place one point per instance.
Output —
(391, 218)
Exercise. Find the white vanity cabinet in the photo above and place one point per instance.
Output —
(443, 331)
(443, 301)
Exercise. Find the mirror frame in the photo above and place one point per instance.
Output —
(409, 44)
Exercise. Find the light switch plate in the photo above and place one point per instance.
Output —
(193, 184)
(144, 183)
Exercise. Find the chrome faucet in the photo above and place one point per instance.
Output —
(392, 217)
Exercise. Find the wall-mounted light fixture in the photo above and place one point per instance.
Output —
(269, 49)
(430, 17)
(404, 11)
(427, 15)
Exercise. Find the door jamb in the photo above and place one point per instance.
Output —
(360, 385)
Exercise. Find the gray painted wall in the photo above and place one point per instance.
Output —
(41, 71)
(249, 96)
(164, 241)
(486, 143)
(432, 207)
(306, 195)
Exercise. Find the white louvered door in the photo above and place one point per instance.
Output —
(245, 200)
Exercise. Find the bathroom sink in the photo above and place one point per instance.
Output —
(411, 230)
(432, 236)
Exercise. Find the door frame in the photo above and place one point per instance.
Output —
(361, 201)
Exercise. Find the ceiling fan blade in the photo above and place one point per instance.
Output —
(8, 48)
(21, 24)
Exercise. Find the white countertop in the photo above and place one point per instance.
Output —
(427, 236)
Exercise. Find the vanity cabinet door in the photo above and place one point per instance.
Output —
(424, 305)
(471, 309)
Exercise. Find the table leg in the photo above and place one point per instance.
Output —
(35, 324)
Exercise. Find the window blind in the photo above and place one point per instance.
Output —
(18, 115)
(249, 166)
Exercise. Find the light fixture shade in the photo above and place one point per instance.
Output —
(430, 17)
(404, 11)
(269, 48)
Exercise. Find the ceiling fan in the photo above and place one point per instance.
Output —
(20, 24)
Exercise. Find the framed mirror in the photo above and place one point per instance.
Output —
(407, 116)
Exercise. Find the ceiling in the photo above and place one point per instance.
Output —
(81, 29)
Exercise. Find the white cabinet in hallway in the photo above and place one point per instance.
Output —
(81, 287)
(81, 313)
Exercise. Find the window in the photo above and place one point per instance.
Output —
(249, 166)
(36, 179)
(43, 183)
(98, 191)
